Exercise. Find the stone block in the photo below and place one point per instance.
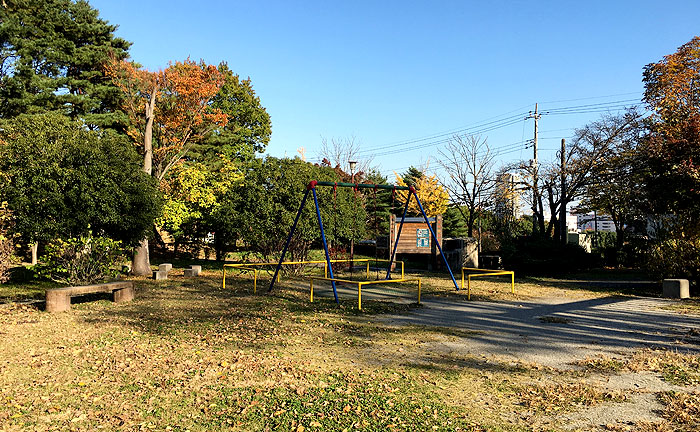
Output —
(124, 294)
(166, 267)
(160, 275)
(58, 299)
(676, 288)
(197, 269)
(190, 273)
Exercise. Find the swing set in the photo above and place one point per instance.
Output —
(311, 188)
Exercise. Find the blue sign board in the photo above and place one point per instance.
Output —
(422, 237)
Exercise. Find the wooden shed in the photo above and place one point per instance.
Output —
(415, 236)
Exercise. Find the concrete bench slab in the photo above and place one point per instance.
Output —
(193, 271)
(676, 288)
(58, 299)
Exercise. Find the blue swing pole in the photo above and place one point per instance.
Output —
(437, 243)
(289, 238)
(312, 186)
(398, 236)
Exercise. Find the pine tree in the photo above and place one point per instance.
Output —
(51, 57)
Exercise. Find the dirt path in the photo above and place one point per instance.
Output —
(557, 331)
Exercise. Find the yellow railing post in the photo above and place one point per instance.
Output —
(367, 269)
(512, 283)
(359, 295)
(402, 270)
(469, 287)
(224, 282)
(419, 284)
(311, 287)
(255, 281)
(325, 270)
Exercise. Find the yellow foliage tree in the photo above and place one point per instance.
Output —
(191, 193)
(432, 195)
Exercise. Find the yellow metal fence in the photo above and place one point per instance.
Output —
(483, 273)
(254, 267)
(360, 284)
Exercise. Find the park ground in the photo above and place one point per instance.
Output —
(187, 354)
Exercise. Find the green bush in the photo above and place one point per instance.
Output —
(259, 211)
(61, 180)
(7, 245)
(674, 256)
(82, 260)
(545, 256)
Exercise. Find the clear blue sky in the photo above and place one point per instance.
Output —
(388, 72)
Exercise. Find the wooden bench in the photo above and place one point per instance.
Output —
(58, 299)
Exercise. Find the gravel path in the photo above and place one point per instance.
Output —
(556, 331)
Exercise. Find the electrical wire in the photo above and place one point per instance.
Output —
(494, 123)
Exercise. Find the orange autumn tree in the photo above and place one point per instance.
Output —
(168, 111)
(672, 86)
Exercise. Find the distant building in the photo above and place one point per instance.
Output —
(507, 197)
(587, 222)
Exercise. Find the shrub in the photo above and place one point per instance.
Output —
(674, 256)
(544, 256)
(7, 246)
(61, 180)
(82, 260)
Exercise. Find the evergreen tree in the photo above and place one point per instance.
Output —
(63, 181)
(248, 127)
(51, 57)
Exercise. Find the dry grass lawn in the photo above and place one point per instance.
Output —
(188, 355)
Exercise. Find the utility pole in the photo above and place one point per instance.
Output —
(478, 246)
(562, 211)
(535, 172)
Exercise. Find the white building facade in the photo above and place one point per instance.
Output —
(588, 222)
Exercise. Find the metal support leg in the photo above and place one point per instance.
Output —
(289, 238)
(398, 236)
(437, 243)
(325, 244)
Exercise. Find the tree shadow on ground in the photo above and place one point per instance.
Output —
(518, 328)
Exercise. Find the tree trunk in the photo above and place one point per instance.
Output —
(619, 238)
(538, 224)
(219, 247)
(470, 224)
(553, 228)
(141, 263)
(35, 252)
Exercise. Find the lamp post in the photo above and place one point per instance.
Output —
(352, 164)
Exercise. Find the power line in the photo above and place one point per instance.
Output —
(489, 125)
(452, 131)
(473, 130)
(593, 97)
